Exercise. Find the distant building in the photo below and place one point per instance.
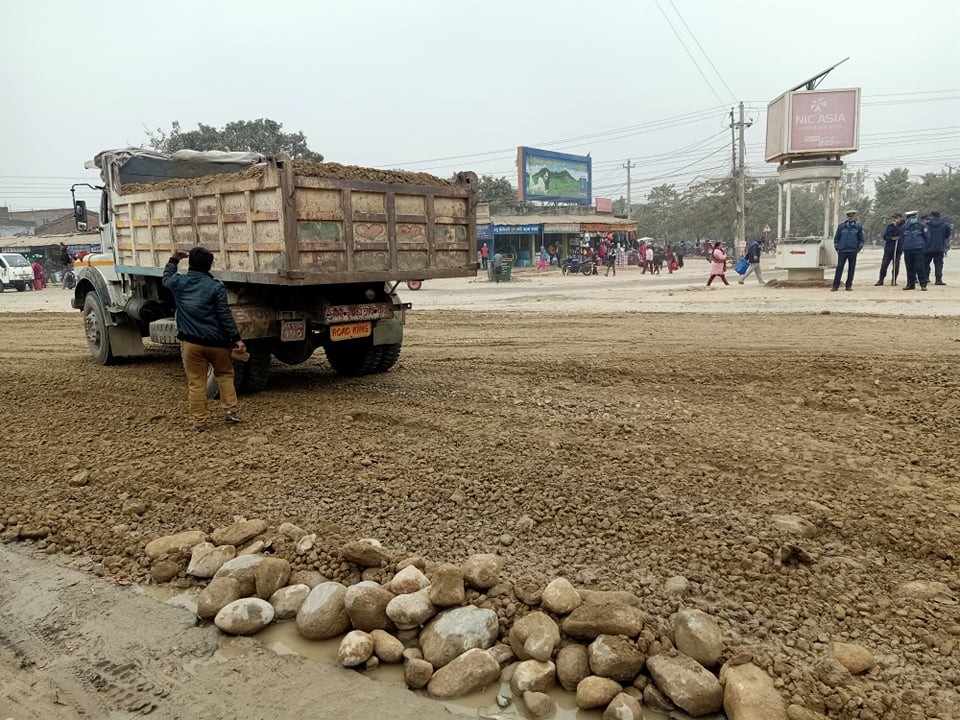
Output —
(11, 225)
(65, 225)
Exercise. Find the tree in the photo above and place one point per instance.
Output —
(263, 136)
(497, 191)
(891, 191)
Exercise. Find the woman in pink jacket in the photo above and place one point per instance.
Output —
(718, 266)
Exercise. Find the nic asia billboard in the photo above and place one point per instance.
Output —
(813, 122)
(553, 177)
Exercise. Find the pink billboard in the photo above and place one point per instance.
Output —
(604, 205)
(824, 121)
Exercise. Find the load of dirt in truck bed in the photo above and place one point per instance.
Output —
(332, 171)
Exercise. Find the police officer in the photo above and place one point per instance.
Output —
(914, 244)
(892, 249)
(848, 241)
(938, 242)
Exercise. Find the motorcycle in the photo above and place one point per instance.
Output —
(69, 280)
(574, 265)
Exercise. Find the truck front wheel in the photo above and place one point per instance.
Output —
(96, 330)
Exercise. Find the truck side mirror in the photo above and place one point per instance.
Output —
(80, 214)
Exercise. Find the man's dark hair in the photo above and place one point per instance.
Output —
(200, 259)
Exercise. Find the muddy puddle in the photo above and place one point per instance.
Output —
(494, 703)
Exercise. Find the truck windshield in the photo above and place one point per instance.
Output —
(16, 260)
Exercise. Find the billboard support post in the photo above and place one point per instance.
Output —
(808, 132)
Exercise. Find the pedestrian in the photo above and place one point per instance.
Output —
(543, 261)
(718, 264)
(642, 257)
(207, 333)
(938, 242)
(648, 260)
(671, 260)
(610, 262)
(754, 251)
(681, 251)
(914, 245)
(892, 249)
(848, 242)
(37, 275)
(484, 255)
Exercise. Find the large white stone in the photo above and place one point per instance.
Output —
(455, 631)
(244, 616)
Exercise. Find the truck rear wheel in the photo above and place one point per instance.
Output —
(96, 330)
(388, 358)
(354, 357)
(248, 377)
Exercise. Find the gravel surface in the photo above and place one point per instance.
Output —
(616, 448)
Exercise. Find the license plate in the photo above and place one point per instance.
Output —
(350, 331)
(293, 330)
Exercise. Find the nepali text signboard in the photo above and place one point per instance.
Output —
(553, 177)
(812, 123)
(532, 229)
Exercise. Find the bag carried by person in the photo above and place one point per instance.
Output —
(674, 266)
(742, 266)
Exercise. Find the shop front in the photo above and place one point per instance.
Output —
(520, 242)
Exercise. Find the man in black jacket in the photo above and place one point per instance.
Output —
(938, 242)
(892, 249)
(754, 252)
(207, 333)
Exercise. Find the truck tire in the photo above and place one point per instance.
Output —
(96, 330)
(2, 286)
(388, 358)
(354, 357)
(21, 287)
(248, 377)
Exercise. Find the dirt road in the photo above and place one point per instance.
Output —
(616, 448)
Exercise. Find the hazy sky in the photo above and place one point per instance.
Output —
(410, 84)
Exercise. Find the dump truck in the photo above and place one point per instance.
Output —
(311, 254)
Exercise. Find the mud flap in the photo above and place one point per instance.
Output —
(388, 332)
(126, 341)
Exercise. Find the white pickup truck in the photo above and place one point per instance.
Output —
(15, 271)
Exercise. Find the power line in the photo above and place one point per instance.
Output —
(687, 50)
(677, 11)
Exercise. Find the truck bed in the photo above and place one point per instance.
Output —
(281, 223)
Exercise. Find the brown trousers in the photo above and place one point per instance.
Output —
(196, 359)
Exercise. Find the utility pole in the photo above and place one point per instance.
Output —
(628, 166)
(948, 167)
(733, 176)
(739, 148)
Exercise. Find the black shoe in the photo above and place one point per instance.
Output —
(834, 289)
(878, 283)
(923, 287)
(849, 289)
(909, 287)
(939, 282)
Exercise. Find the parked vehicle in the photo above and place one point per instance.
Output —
(311, 254)
(15, 271)
(577, 264)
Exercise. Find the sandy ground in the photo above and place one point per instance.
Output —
(613, 446)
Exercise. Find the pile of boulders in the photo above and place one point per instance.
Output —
(460, 628)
